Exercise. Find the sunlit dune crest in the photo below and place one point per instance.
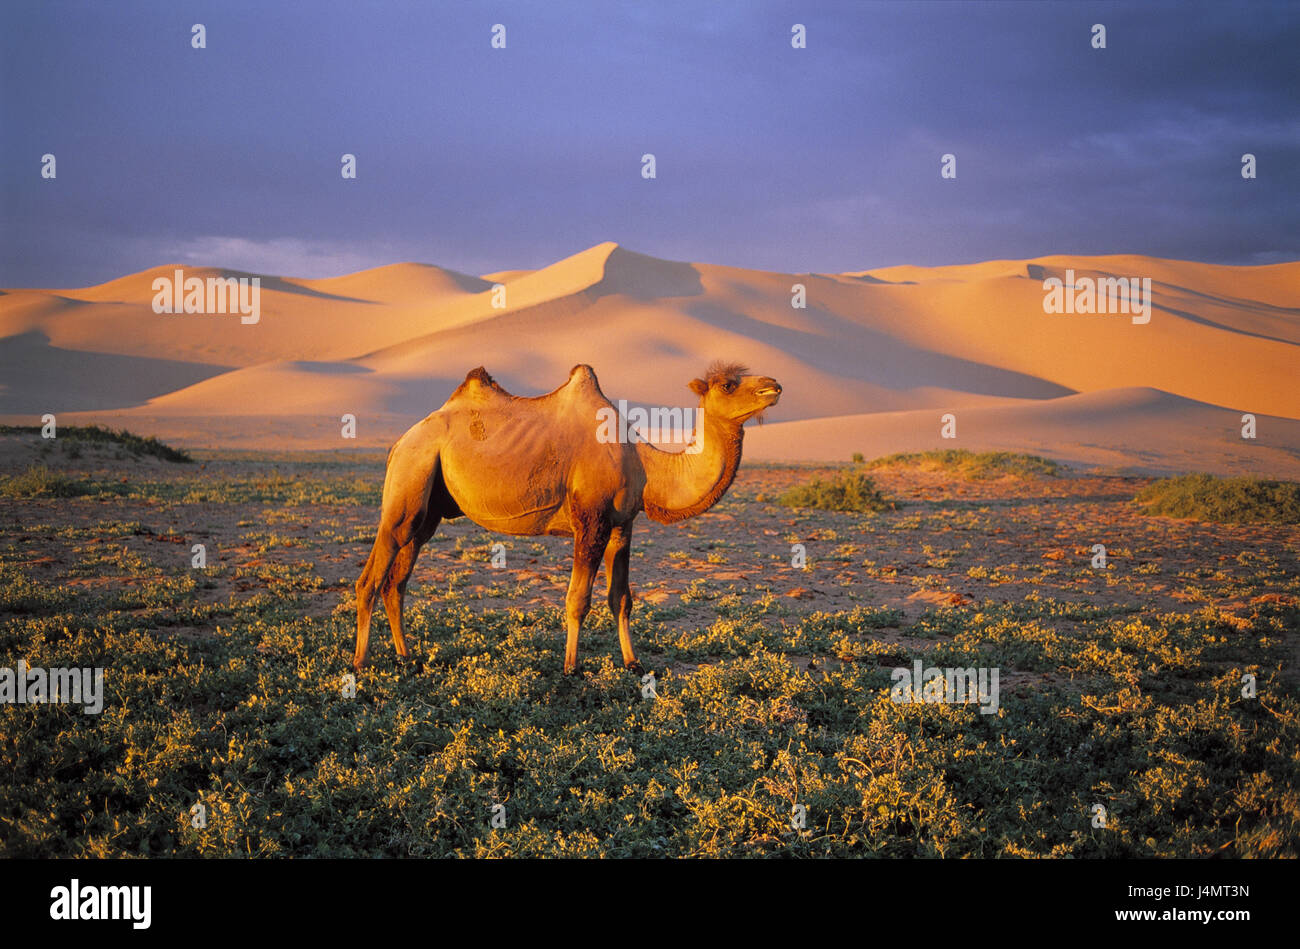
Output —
(869, 364)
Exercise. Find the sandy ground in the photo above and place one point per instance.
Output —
(951, 542)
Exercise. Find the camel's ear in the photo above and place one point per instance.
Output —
(699, 387)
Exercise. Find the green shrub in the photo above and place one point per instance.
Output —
(1237, 500)
(845, 491)
(39, 481)
(972, 465)
(136, 445)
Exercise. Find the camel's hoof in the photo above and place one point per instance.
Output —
(634, 667)
(575, 672)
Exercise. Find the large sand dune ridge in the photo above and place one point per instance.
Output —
(868, 365)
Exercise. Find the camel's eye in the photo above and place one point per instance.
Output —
(729, 386)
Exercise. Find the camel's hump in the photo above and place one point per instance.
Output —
(479, 385)
(478, 380)
(582, 378)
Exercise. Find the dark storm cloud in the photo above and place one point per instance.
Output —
(818, 159)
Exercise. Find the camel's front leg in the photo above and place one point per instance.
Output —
(617, 555)
(589, 540)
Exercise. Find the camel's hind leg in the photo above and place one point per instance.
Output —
(381, 558)
(589, 540)
(617, 554)
(394, 590)
(407, 487)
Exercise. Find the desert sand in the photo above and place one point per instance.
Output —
(870, 365)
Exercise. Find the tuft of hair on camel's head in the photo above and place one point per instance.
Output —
(725, 375)
(728, 389)
(720, 372)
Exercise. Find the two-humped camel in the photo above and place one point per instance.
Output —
(531, 466)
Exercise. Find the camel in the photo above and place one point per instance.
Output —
(531, 466)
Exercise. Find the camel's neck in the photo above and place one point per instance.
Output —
(682, 484)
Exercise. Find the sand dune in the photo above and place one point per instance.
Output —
(335, 318)
(505, 276)
(868, 365)
(28, 363)
(1134, 430)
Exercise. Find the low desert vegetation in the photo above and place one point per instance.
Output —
(842, 491)
(225, 686)
(1141, 714)
(74, 437)
(1204, 497)
(39, 481)
(971, 465)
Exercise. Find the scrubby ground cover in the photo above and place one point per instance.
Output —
(1234, 500)
(1121, 686)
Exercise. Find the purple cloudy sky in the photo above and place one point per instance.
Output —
(823, 159)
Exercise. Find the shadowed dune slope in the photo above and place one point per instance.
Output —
(873, 358)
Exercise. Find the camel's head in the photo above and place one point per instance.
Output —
(728, 392)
